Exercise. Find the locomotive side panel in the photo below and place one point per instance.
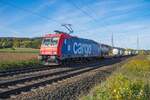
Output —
(78, 47)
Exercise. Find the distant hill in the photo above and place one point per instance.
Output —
(22, 38)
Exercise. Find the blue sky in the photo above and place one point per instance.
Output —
(92, 19)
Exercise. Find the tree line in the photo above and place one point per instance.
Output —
(20, 42)
(9, 42)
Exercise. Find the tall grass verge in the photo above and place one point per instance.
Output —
(130, 82)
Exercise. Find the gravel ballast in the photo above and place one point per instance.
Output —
(70, 88)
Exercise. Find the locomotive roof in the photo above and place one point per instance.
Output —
(57, 35)
(65, 35)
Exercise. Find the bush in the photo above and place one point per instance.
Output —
(13, 48)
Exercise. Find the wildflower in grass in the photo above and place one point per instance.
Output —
(114, 90)
(132, 82)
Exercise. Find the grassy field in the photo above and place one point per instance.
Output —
(18, 58)
(130, 82)
(19, 50)
(13, 57)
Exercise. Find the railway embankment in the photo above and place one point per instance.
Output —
(129, 82)
(72, 87)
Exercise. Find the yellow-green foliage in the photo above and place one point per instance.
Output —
(137, 69)
(126, 83)
(119, 87)
(148, 57)
(138, 65)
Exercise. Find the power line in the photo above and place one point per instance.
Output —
(85, 13)
(68, 27)
(45, 17)
(29, 11)
(79, 8)
(89, 7)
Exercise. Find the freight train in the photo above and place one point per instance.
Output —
(61, 48)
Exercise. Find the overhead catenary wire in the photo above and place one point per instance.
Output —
(42, 16)
(80, 9)
(45, 17)
(28, 11)
(84, 12)
(76, 5)
(112, 35)
(90, 9)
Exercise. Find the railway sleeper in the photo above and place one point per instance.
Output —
(7, 94)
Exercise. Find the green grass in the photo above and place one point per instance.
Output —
(19, 50)
(130, 82)
(148, 57)
(19, 64)
(19, 58)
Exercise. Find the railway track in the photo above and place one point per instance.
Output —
(28, 70)
(25, 84)
(17, 85)
(25, 70)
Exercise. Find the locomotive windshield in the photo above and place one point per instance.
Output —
(53, 41)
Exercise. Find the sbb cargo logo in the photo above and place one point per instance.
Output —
(79, 48)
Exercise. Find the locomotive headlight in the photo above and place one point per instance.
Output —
(39, 57)
(54, 53)
(52, 57)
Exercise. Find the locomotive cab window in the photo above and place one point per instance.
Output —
(53, 41)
